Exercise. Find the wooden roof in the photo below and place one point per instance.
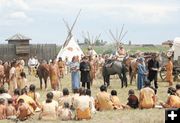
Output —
(19, 37)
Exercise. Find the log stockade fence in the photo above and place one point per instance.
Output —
(42, 51)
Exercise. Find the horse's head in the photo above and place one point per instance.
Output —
(127, 61)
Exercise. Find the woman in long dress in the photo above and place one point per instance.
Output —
(142, 74)
(74, 68)
(54, 75)
(169, 69)
(12, 78)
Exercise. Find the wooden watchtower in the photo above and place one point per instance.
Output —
(22, 47)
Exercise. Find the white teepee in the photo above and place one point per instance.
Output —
(70, 49)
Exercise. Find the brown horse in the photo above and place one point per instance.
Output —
(131, 64)
(43, 73)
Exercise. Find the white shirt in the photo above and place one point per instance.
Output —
(83, 102)
(53, 101)
(5, 96)
(33, 62)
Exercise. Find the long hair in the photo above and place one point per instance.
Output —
(73, 58)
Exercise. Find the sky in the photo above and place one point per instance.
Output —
(147, 21)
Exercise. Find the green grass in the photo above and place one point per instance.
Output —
(118, 116)
(131, 49)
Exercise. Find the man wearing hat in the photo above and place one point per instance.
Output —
(121, 52)
(153, 67)
(90, 51)
(85, 72)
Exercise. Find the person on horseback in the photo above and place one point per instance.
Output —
(121, 53)
(32, 64)
(90, 51)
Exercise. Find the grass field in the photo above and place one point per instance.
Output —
(118, 116)
(110, 48)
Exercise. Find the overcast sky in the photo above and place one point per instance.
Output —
(147, 21)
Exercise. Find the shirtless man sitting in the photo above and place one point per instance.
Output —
(2, 109)
(11, 111)
(24, 111)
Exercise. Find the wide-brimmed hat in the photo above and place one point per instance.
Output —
(141, 59)
(85, 57)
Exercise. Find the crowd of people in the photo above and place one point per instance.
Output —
(19, 99)
(24, 103)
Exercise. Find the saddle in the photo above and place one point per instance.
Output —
(109, 63)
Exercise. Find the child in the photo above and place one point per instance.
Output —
(65, 98)
(65, 112)
(74, 98)
(15, 97)
(2, 109)
(23, 110)
(11, 111)
(23, 81)
(115, 100)
(132, 99)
